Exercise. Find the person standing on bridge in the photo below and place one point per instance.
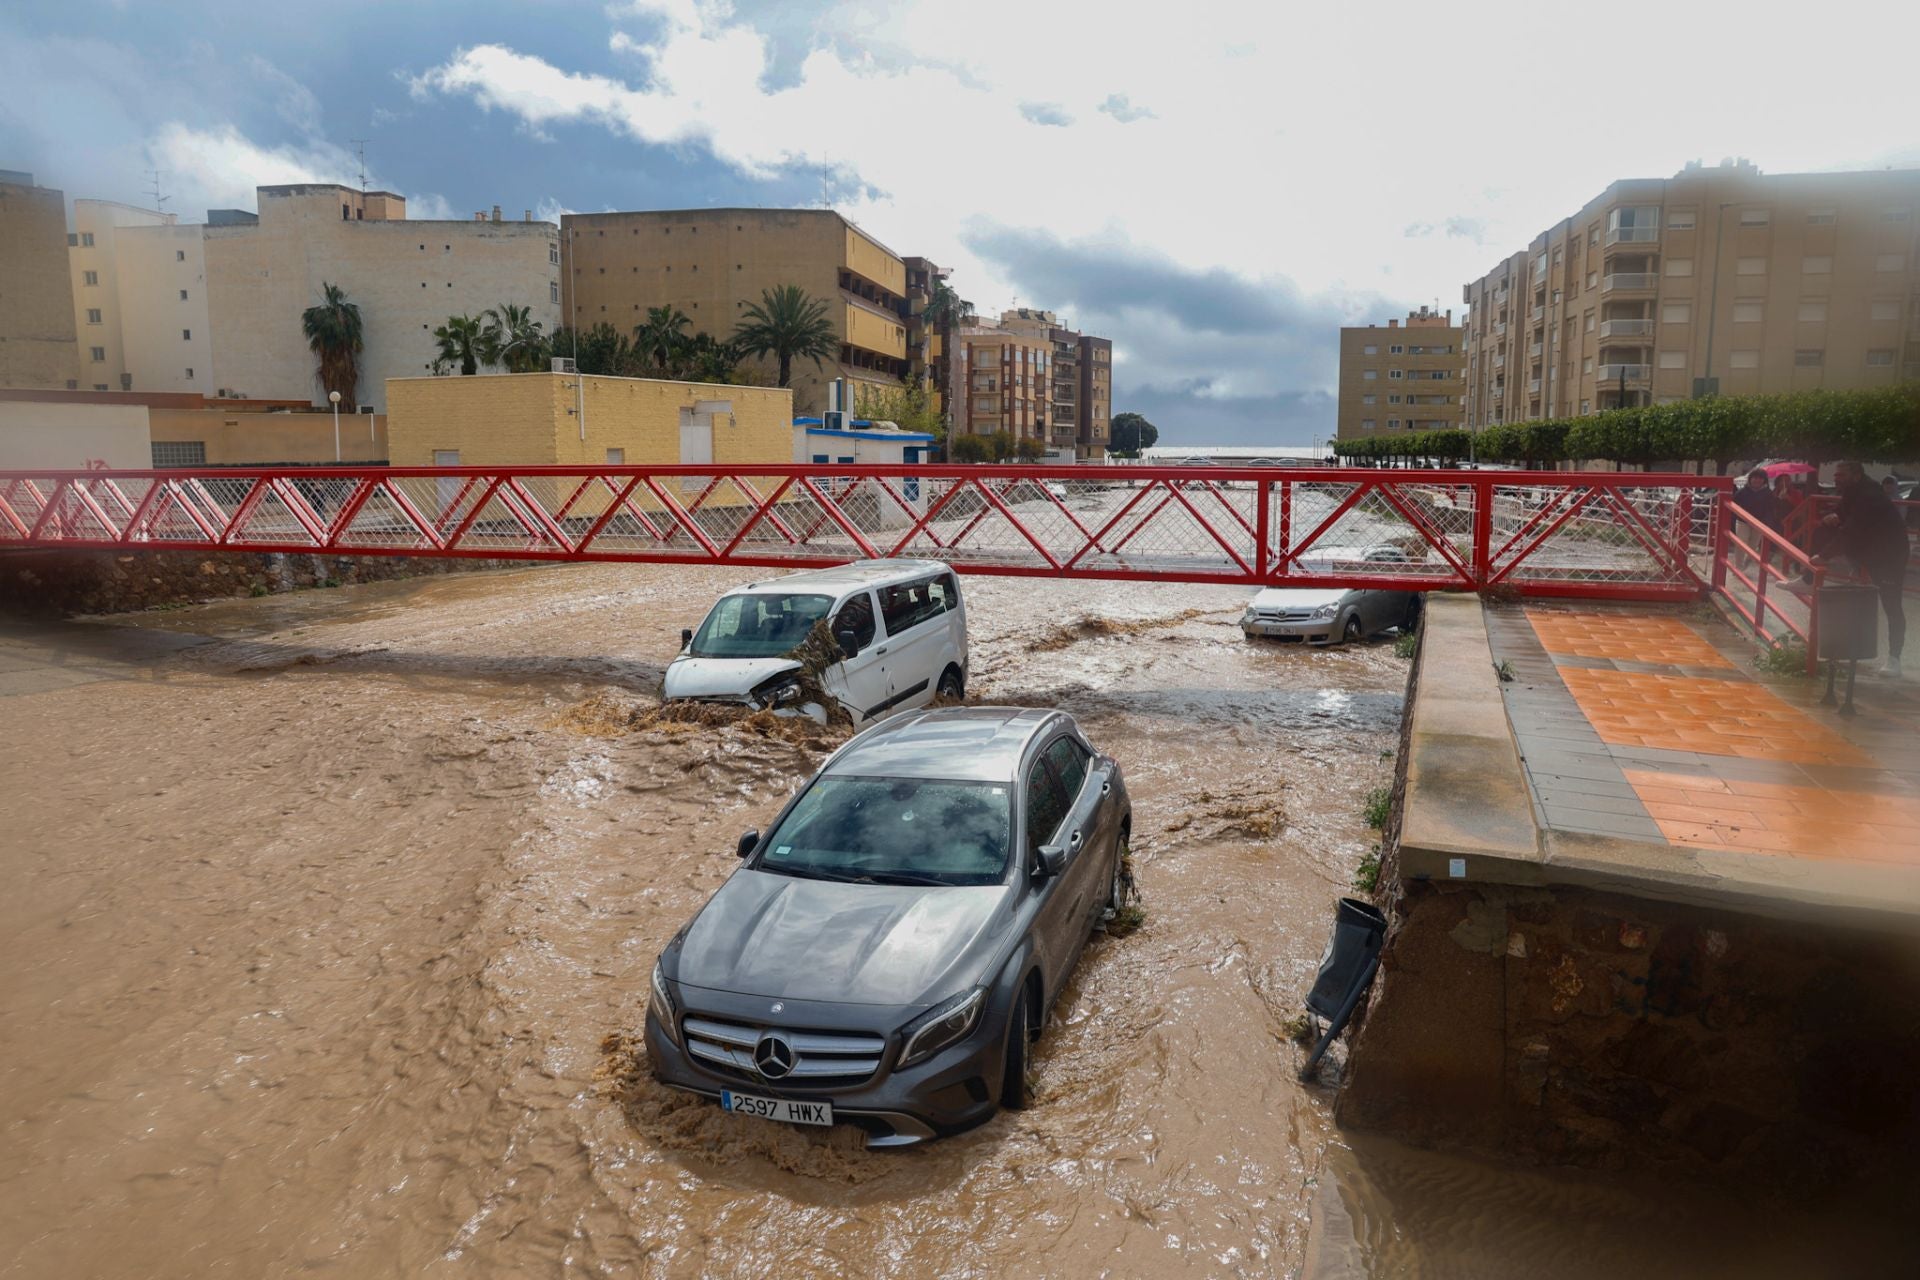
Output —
(1867, 528)
(1760, 503)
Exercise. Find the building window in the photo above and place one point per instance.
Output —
(186, 335)
(616, 457)
(1750, 266)
(1368, 424)
(1899, 214)
(1393, 399)
(189, 373)
(1586, 366)
(1816, 266)
(1392, 423)
(1753, 217)
(1679, 266)
(1822, 217)
(1886, 309)
(1806, 359)
(179, 255)
(1369, 375)
(1676, 313)
(1396, 350)
(1750, 312)
(86, 239)
(91, 277)
(1745, 359)
(1371, 349)
(1394, 374)
(553, 291)
(93, 315)
(1880, 359)
(179, 453)
(99, 386)
(553, 254)
(1673, 359)
(1586, 406)
(1814, 311)
(1589, 322)
(1890, 262)
(346, 213)
(1680, 220)
(183, 295)
(99, 354)
(1593, 279)
(1369, 399)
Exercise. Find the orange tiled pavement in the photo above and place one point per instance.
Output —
(1714, 716)
(1774, 817)
(1624, 636)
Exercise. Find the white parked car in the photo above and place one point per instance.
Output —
(1324, 615)
(900, 624)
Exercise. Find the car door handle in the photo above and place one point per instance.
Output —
(1074, 840)
(1106, 788)
(881, 650)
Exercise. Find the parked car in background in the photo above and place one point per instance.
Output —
(1325, 615)
(900, 627)
(886, 953)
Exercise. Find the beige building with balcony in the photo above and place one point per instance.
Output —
(215, 308)
(1401, 377)
(1717, 278)
(713, 264)
(36, 293)
(1075, 416)
(1006, 383)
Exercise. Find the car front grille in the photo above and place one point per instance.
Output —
(1283, 615)
(820, 1057)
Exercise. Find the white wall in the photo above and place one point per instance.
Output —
(35, 434)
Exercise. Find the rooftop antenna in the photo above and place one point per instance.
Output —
(360, 147)
(153, 190)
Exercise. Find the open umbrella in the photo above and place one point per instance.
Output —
(1790, 469)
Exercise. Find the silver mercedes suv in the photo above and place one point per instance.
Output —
(887, 952)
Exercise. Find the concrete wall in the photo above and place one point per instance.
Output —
(407, 277)
(245, 438)
(35, 434)
(37, 347)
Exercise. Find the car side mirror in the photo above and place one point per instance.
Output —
(746, 844)
(1053, 859)
(686, 636)
(849, 644)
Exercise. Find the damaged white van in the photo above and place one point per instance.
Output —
(900, 628)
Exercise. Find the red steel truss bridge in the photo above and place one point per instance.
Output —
(1627, 536)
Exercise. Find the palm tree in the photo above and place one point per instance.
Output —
(334, 335)
(661, 339)
(463, 341)
(514, 339)
(787, 325)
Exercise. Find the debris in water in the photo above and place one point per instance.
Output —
(604, 716)
(1098, 628)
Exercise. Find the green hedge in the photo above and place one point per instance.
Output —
(1881, 425)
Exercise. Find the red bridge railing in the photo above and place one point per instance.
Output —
(1535, 533)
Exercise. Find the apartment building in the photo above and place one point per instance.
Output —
(926, 343)
(1079, 368)
(215, 308)
(1008, 381)
(1717, 279)
(1095, 419)
(37, 342)
(713, 264)
(1405, 376)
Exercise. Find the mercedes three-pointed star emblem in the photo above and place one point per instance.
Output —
(774, 1057)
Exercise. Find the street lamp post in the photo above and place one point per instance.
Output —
(333, 398)
(1706, 386)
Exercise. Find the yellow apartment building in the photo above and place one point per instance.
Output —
(1405, 376)
(713, 264)
(37, 340)
(1719, 278)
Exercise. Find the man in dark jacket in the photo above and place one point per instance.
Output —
(1760, 503)
(1867, 528)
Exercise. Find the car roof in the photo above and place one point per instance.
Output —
(983, 744)
(843, 577)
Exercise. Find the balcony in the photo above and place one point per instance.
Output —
(1629, 282)
(1533, 386)
(1632, 235)
(1500, 329)
(1500, 361)
(1536, 315)
(1625, 329)
(1611, 374)
(1536, 349)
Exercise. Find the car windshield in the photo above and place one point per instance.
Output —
(895, 831)
(758, 625)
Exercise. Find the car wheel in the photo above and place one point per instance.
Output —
(1117, 884)
(1013, 1083)
(1351, 632)
(1412, 621)
(951, 686)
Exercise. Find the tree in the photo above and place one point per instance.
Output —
(463, 341)
(968, 449)
(788, 325)
(909, 407)
(661, 340)
(1132, 433)
(1028, 449)
(334, 335)
(513, 339)
(946, 309)
(704, 358)
(601, 350)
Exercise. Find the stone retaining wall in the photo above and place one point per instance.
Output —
(64, 583)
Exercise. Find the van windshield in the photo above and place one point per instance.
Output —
(758, 625)
(895, 831)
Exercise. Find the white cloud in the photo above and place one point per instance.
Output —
(430, 206)
(219, 167)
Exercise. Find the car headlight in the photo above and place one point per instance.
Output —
(778, 691)
(662, 1007)
(1326, 610)
(942, 1026)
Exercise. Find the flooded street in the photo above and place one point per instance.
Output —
(329, 916)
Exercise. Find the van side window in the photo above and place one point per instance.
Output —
(946, 591)
(856, 615)
(912, 603)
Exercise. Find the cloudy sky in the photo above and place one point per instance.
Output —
(1216, 186)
